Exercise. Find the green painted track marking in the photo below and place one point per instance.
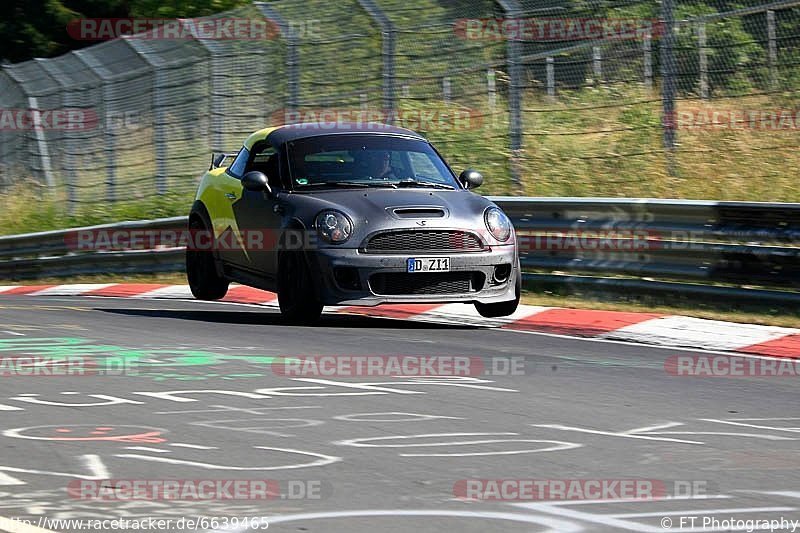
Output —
(144, 362)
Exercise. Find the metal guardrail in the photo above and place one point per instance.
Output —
(693, 246)
(42, 243)
(743, 242)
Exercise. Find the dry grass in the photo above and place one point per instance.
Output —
(714, 162)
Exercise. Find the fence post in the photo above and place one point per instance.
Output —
(388, 44)
(11, 141)
(446, 90)
(668, 88)
(597, 64)
(215, 102)
(41, 142)
(159, 114)
(512, 9)
(68, 164)
(551, 77)
(292, 54)
(648, 60)
(491, 89)
(38, 134)
(773, 50)
(703, 59)
(110, 139)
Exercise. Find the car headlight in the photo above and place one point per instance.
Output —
(498, 224)
(333, 226)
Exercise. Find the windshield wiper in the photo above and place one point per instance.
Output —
(335, 184)
(415, 183)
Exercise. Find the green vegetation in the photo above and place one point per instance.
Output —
(29, 208)
(594, 138)
(38, 28)
(714, 162)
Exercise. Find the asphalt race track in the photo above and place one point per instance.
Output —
(383, 453)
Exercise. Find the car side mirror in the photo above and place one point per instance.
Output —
(471, 179)
(256, 181)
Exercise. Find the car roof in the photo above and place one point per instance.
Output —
(278, 135)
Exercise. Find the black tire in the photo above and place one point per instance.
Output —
(204, 281)
(298, 301)
(502, 308)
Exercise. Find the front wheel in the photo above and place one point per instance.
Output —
(501, 308)
(296, 296)
(204, 281)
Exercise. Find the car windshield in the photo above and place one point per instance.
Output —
(333, 161)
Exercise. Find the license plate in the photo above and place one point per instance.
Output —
(428, 264)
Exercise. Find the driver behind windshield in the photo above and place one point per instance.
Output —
(375, 164)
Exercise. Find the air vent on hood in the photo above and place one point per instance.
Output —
(418, 212)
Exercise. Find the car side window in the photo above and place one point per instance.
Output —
(266, 160)
(237, 168)
(421, 164)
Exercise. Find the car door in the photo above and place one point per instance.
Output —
(227, 191)
(259, 215)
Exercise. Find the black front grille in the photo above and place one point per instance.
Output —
(396, 283)
(424, 241)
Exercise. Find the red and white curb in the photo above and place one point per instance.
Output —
(646, 328)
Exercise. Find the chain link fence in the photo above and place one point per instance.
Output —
(553, 97)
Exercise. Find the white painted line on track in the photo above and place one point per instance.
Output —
(626, 435)
(764, 419)
(95, 465)
(754, 426)
(786, 493)
(701, 512)
(570, 503)
(227, 410)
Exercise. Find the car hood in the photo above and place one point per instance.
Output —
(373, 209)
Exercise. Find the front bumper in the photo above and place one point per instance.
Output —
(325, 262)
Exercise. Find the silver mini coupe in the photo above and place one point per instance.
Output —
(351, 215)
